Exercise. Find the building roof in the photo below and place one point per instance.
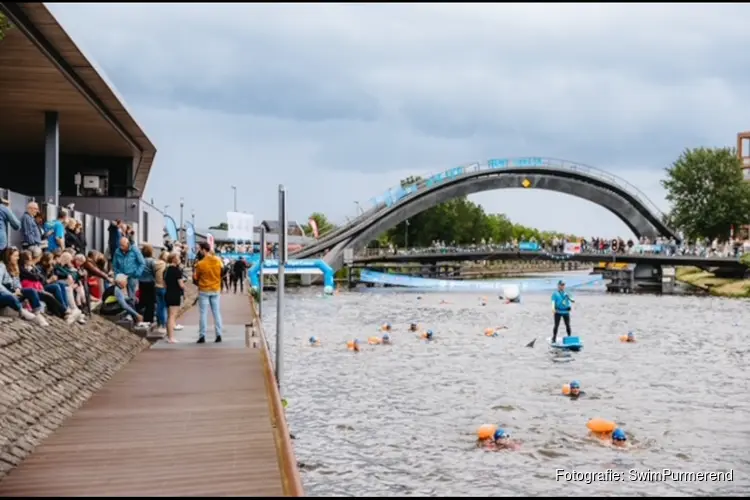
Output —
(44, 70)
(272, 226)
(223, 237)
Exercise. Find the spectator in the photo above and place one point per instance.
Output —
(95, 273)
(30, 230)
(73, 236)
(174, 283)
(128, 261)
(45, 232)
(146, 284)
(57, 237)
(160, 290)
(10, 279)
(32, 278)
(114, 237)
(115, 303)
(44, 267)
(7, 218)
(207, 274)
(75, 293)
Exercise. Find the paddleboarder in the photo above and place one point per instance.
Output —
(561, 304)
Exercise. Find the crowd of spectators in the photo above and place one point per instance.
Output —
(54, 274)
(734, 248)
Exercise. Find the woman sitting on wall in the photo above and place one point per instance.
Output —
(33, 279)
(12, 292)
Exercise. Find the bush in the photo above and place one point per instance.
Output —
(745, 259)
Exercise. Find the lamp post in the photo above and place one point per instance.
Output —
(182, 225)
(234, 188)
(359, 209)
(406, 234)
(192, 217)
(165, 209)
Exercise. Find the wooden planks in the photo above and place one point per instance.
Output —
(172, 423)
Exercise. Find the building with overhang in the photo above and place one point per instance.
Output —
(66, 135)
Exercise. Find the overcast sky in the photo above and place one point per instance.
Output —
(339, 102)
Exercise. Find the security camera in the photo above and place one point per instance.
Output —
(133, 205)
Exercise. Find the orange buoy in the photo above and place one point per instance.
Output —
(486, 431)
(601, 426)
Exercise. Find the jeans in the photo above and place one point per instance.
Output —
(8, 300)
(161, 306)
(58, 292)
(132, 285)
(204, 300)
(33, 297)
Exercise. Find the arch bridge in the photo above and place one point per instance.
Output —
(615, 194)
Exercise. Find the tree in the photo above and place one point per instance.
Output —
(324, 225)
(707, 193)
(221, 227)
(4, 25)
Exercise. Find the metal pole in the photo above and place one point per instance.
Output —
(182, 225)
(192, 218)
(260, 269)
(234, 188)
(406, 234)
(280, 285)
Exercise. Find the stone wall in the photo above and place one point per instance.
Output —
(48, 373)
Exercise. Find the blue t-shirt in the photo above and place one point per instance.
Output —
(561, 301)
(58, 232)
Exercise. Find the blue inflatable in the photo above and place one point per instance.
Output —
(567, 344)
(304, 266)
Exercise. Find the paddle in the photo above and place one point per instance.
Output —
(531, 344)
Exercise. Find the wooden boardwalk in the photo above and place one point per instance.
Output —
(179, 420)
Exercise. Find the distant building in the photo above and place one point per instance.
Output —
(293, 227)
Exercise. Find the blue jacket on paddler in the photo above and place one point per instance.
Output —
(561, 300)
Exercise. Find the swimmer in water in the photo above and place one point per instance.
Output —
(630, 337)
(386, 340)
(413, 327)
(314, 341)
(500, 441)
(428, 336)
(386, 327)
(575, 390)
(619, 438)
(353, 345)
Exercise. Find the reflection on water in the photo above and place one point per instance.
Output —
(401, 419)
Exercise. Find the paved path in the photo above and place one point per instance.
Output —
(180, 420)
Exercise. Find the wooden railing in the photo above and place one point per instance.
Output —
(255, 337)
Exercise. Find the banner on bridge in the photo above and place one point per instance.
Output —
(572, 248)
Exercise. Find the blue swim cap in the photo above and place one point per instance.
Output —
(429, 333)
(575, 384)
(500, 434)
(619, 435)
(630, 334)
(386, 337)
(356, 341)
(387, 325)
(313, 339)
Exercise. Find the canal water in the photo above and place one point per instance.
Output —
(402, 419)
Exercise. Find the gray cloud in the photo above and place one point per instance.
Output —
(340, 101)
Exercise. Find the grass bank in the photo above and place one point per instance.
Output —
(719, 287)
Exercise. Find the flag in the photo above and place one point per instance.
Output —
(314, 227)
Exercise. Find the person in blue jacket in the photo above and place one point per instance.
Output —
(129, 261)
(561, 304)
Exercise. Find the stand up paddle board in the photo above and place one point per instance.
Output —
(567, 344)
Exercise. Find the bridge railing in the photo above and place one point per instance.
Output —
(397, 194)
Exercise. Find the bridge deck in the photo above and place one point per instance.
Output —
(180, 420)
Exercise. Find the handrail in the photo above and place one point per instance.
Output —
(292, 483)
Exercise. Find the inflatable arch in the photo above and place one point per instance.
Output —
(307, 266)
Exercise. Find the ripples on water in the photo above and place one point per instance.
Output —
(401, 419)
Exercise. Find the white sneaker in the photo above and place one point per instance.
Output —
(26, 314)
(178, 327)
(41, 321)
(82, 319)
(161, 329)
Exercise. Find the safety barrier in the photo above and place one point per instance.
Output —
(284, 449)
